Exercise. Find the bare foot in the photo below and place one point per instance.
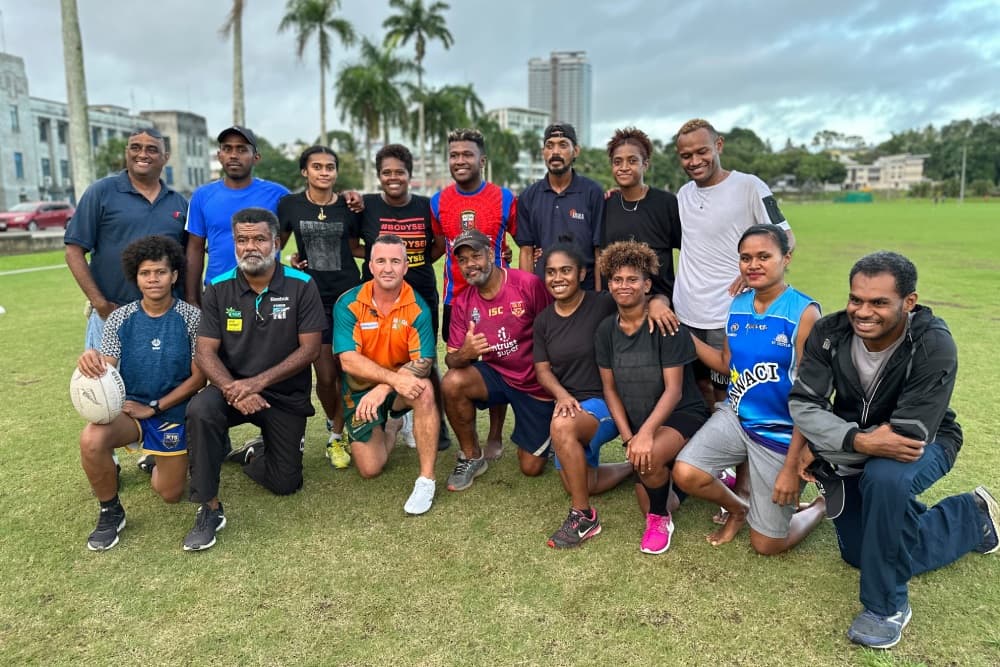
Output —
(732, 527)
(494, 449)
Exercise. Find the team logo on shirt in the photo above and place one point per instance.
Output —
(517, 308)
(576, 215)
(475, 316)
(781, 340)
(156, 343)
(468, 218)
(279, 311)
(741, 383)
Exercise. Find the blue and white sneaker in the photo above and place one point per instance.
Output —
(874, 631)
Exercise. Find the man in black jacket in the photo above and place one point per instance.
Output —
(871, 397)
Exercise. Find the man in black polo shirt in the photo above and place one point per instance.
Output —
(261, 325)
(563, 204)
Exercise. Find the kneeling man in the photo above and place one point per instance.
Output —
(490, 358)
(383, 334)
(261, 325)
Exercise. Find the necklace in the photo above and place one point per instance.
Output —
(702, 196)
(322, 214)
(621, 200)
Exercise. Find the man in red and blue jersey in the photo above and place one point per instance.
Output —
(471, 202)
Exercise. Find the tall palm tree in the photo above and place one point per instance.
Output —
(76, 95)
(316, 17)
(368, 93)
(234, 27)
(420, 23)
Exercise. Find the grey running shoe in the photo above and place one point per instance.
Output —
(466, 470)
(874, 631)
(207, 522)
(575, 529)
(109, 524)
(989, 506)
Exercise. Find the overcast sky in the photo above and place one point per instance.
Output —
(784, 68)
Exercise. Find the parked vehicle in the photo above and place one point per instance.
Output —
(36, 215)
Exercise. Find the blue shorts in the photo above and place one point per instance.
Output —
(531, 415)
(162, 437)
(606, 430)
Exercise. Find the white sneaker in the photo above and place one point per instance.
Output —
(422, 497)
(407, 431)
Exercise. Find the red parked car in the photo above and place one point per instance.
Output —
(35, 215)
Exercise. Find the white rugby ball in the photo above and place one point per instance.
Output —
(98, 400)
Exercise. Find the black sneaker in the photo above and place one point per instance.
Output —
(146, 463)
(207, 522)
(109, 524)
(577, 528)
(990, 508)
(251, 448)
(830, 486)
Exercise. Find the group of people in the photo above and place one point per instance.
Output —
(593, 337)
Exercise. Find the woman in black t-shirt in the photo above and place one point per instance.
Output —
(323, 225)
(648, 383)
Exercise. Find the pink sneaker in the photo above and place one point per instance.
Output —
(656, 539)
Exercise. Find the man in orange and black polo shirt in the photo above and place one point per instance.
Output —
(382, 332)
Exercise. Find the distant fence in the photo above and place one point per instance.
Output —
(21, 243)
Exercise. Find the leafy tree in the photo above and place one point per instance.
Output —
(502, 147)
(531, 143)
(369, 97)
(274, 166)
(316, 17)
(110, 157)
(234, 26)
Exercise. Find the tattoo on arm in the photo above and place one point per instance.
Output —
(420, 367)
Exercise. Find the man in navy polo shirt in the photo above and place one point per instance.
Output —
(260, 331)
(111, 214)
(563, 204)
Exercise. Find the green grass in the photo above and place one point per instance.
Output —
(337, 574)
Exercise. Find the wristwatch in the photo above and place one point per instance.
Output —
(156, 407)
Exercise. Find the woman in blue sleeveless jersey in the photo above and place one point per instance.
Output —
(767, 328)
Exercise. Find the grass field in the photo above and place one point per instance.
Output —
(338, 575)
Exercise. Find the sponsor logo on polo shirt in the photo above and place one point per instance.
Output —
(576, 215)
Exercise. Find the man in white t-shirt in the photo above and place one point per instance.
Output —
(716, 207)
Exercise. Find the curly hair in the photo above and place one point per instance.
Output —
(468, 134)
(152, 248)
(631, 135)
(903, 271)
(398, 151)
(634, 254)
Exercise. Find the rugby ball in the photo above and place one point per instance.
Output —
(98, 400)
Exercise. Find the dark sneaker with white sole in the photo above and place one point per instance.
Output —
(577, 528)
(109, 524)
(146, 463)
(207, 522)
(990, 508)
(250, 449)
(874, 631)
(465, 472)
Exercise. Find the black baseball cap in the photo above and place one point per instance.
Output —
(243, 132)
(473, 238)
(560, 130)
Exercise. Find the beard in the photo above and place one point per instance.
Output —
(256, 265)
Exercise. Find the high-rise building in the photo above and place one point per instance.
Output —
(524, 123)
(560, 84)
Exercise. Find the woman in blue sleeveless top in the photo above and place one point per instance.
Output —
(765, 334)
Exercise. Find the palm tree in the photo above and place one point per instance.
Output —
(420, 23)
(309, 17)
(368, 94)
(76, 95)
(234, 26)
